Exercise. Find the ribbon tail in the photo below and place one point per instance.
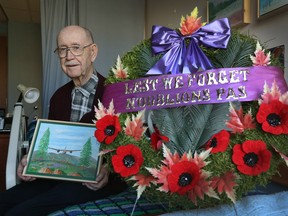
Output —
(196, 59)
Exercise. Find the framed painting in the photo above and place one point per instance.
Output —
(64, 150)
(237, 11)
(270, 7)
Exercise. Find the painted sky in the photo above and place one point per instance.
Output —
(66, 136)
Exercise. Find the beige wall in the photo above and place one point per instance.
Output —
(169, 12)
(115, 33)
(24, 62)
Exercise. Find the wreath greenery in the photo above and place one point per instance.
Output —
(220, 179)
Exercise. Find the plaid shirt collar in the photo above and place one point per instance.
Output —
(88, 87)
(82, 98)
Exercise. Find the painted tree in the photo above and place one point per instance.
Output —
(85, 156)
(43, 145)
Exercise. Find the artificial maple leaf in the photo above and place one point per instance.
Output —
(248, 121)
(284, 98)
(270, 94)
(142, 182)
(105, 151)
(225, 183)
(101, 111)
(161, 176)
(199, 159)
(135, 127)
(201, 188)
(170, 159)
(284, 157)
(239, 122)
(260, 58)
(119, 71)
(164, 170)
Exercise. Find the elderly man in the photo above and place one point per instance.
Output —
(73, 101)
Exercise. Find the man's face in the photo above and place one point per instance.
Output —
(77, 67)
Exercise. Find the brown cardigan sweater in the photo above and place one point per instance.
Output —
(60, 102)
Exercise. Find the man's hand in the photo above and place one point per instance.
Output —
(101, 180)
(20, 169)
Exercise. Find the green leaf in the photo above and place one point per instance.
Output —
(237, 54)
(188, 128)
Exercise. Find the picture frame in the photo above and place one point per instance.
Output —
(266, 8)
(64, 151)
(237, 11)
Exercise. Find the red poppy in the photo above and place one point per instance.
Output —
(157, 139)
(128, 160)
(183, 177)
(252, 157)
(219, 142)
(108, 128)
(274, 117)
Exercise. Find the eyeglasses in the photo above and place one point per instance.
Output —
(76, 50)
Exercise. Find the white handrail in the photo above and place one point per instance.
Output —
(15, 143)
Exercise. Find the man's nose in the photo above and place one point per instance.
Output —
(69, 54)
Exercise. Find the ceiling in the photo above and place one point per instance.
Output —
(27, 11)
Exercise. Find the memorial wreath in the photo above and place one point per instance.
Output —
(194, 117)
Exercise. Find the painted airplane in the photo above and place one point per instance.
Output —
(64, 151)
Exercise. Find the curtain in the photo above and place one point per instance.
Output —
(55, 14)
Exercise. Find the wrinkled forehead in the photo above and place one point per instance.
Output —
(72, 36)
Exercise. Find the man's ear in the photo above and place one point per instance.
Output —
(94, 52)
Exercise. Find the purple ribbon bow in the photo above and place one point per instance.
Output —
(180, 58)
